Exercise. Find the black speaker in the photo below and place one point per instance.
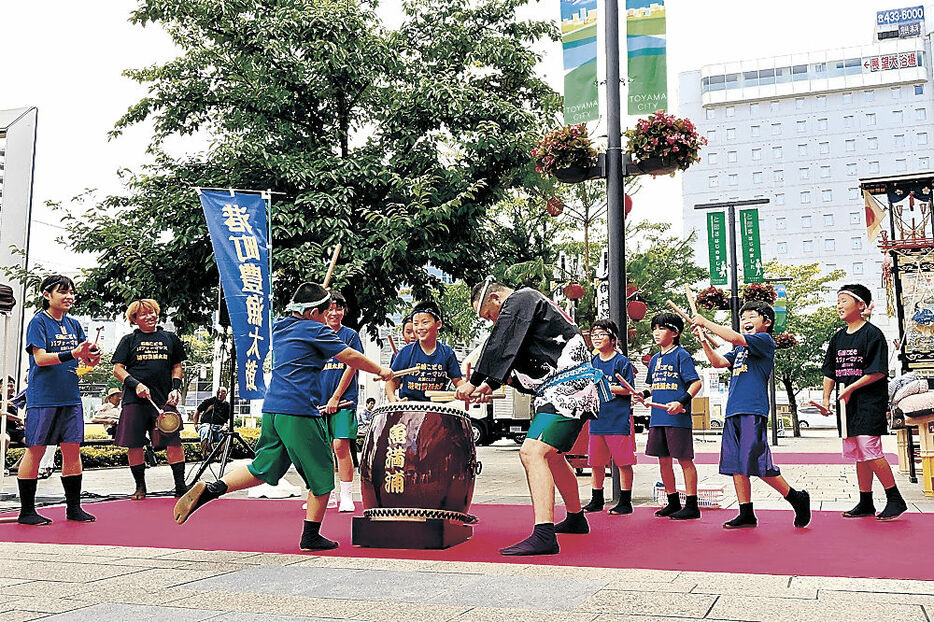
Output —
(7, 301)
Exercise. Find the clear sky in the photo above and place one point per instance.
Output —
(66, 58)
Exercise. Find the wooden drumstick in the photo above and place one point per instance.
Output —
(406, 372)
(392, 344)
(451, 395)
(625, 384)
(707, 336)
(692, 304)
(327, 279)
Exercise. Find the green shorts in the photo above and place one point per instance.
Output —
(291, 439)
(342, 424)
(556, 430)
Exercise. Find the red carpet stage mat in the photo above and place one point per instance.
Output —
(831, 546)
(777, 457)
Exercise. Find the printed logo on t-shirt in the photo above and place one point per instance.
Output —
(430, 377)
(665, 377)
(739, 365)
(849, 363)
(152, 351)
(333, 365)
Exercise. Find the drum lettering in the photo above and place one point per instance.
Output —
(397, 433)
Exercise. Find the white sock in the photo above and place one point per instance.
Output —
(347, 490)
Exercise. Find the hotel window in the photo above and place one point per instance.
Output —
(869, 95)
(754, 130)
(757, 154)
(924, 162)
(856, 243)
(822, 125)
(851, 169)
(802, 150)
(731, 156)
(847, 98)
(858, 267)
(807, 246)
(823, 148)
(830, 245)
(731, 133)
(753, 109)
(828, 220)
(780, 224)
(826, 196)
(711, 136)
(922, 138)
(799, 103)
(872, 143)
(850, 144)
(731, 179)
(874, 166)
(806, 198)
(849, 121)
(921, 114)
(774, 106)
(901, 165)
(712, 158)
(870, 118)
(852, 194)
(712, 181)
(804, 173)
(757, 177)
(730, 111)
(896, 92)
(806, 222)
(855, 220)
(777, 153)
(781, 248)
(897, 116)
(919, 89)
(899, 140)
(776, 129)
(778, 175)
(821, 101)
(825, 172)
(801, 126)
(711, 113)
(780, 198)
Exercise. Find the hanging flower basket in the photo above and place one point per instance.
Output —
(574, 291)
(566, 154)
(785, 341)
(713, 299)
(662, 144)
(759, 291)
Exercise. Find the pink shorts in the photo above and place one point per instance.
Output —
(621, 447)
(862, 448)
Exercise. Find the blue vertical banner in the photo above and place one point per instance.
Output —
(579, 45)
(237, 224)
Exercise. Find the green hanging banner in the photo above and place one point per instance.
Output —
(716, 245)
(646, 45)
(752, 251)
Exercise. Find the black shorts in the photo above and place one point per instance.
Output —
(670, 442)
(139, 420)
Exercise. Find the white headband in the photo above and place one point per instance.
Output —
(855, 297)
(486, 285)
(299, 307)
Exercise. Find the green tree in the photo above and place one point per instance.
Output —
(812, 322)
(461, 324)
(393, 142)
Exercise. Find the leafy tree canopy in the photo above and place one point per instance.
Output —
(394, 143)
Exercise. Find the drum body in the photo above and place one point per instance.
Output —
(418, 455)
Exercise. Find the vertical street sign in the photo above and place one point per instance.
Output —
(752, 251)
(717, 246)
(781, 308)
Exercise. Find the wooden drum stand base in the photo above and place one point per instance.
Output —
(426, 533)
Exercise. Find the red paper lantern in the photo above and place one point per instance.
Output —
(636, 309)
(631, 291)
(646, 359)
(554, 206)
(632, 333)
(574, 291)
(627, 205)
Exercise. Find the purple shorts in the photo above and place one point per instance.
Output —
(745, 448)
(138, 420)
(863, 447)
(670, 442)
(53, 425)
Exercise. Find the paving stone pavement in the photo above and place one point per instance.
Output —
(68, 582)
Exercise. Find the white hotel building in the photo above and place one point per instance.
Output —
(801, 130)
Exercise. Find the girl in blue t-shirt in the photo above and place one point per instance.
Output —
(612, 434)
(55, 343)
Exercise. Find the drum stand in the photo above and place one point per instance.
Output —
(222, 450)
(408, 532)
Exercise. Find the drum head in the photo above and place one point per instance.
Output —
(168, 422)
(434, 407)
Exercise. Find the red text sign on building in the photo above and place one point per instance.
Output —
(891, 61)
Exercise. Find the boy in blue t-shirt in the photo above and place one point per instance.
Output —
(293, 430)
(436, 361)
(673, 382)
(611, 433)
(339, 387)
(745, 448)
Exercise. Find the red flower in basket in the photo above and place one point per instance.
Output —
(574, 291)
(713, 299)
(786, 340)
(759, 291)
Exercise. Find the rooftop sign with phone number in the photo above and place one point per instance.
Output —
(898, 16)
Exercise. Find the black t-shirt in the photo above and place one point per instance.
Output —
(150, 357)
(219, 415)
(850, 357)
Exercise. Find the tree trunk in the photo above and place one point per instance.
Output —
(792, 404)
